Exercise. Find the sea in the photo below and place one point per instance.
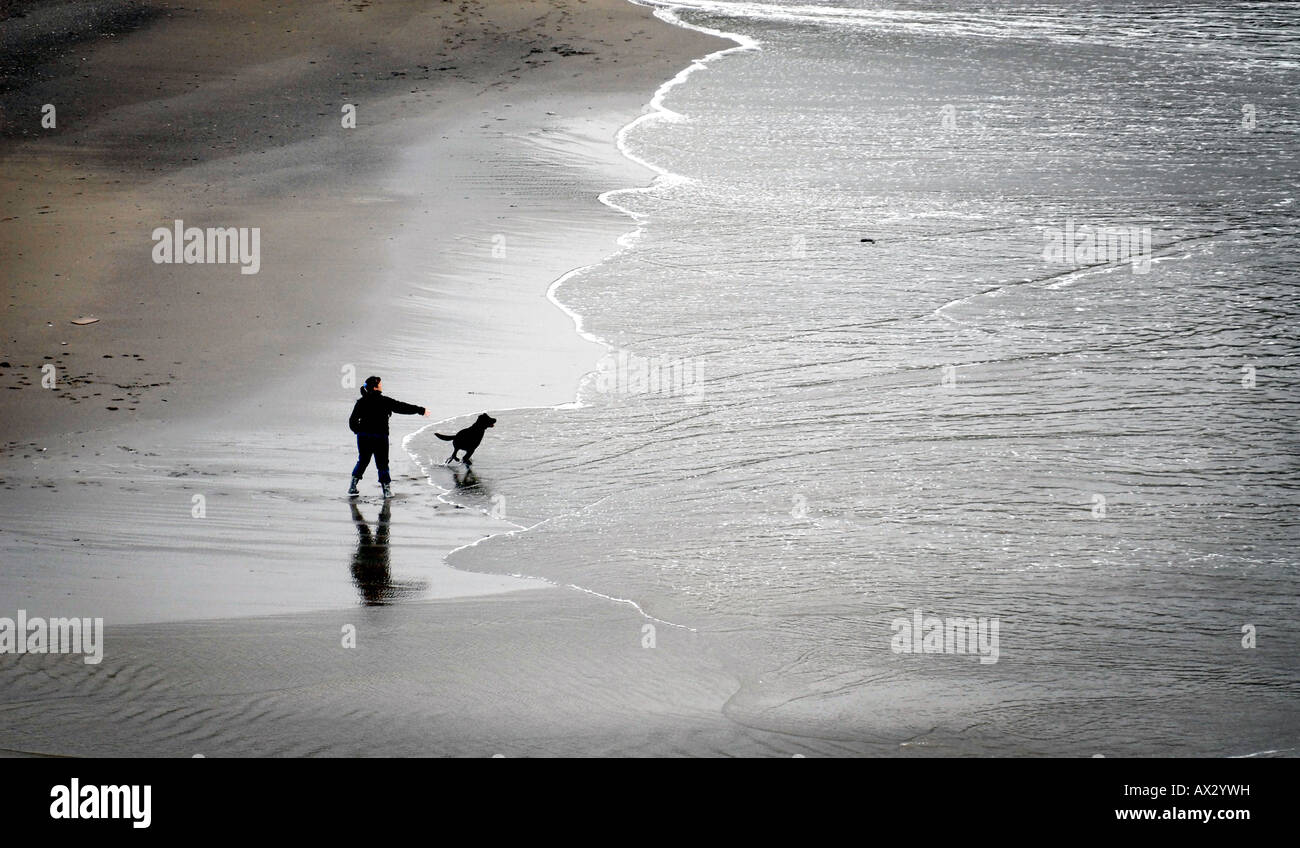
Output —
(951, 388)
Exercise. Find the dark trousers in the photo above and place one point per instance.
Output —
(371, 445)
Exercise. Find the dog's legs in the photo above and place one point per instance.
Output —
(451, 458)
(465, 458)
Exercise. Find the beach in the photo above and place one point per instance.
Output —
(901, 380)
(190, 462)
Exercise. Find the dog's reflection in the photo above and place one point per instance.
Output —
(370, 567)
(475, 493)
(465, 479)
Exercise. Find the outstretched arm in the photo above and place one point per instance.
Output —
(405, 408)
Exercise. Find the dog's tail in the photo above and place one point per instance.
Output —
(444, 438)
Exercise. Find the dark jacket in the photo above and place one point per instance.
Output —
(370, 414)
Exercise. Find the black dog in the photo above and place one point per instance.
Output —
(467, 440)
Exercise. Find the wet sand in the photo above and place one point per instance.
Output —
(557, 674)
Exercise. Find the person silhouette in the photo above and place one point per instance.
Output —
(369, 420)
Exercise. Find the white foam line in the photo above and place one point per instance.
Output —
(657, 112)
(627, 601)
(1262, 753)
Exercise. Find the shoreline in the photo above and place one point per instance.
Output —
(654, 110)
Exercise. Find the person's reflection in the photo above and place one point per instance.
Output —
(370, 569)
(370, 563)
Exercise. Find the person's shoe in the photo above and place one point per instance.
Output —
(352, 490)
(388, 492)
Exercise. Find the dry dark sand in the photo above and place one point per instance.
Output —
(479, 125)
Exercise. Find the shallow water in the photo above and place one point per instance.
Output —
(1103, 459)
